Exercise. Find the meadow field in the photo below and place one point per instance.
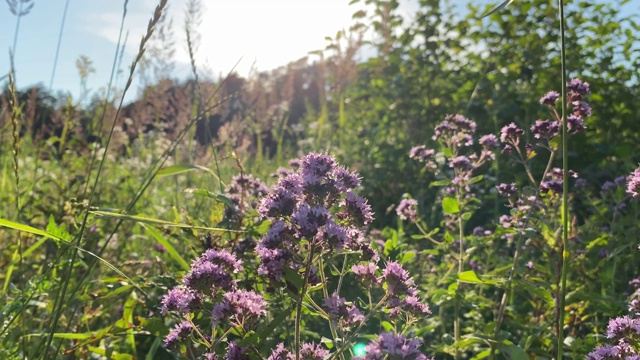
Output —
(459, 184)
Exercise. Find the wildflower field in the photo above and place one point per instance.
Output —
(467, 190)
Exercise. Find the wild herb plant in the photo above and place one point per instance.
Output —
(623, 333)
(314, 245)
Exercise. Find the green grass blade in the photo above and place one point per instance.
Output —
(151, 221)
(16, 258)
(498, 8)
(181, 169)
(167, 245)
(35, 231)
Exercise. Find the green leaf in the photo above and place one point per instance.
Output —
(444, 182)
(328, 342)
(476, 179)
(512, 351)
(293, 277)
(450, 205)
(469, 277)
(537, 291)
(407, 256)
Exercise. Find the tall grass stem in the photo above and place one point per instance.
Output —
(565, 184)
(55, 59)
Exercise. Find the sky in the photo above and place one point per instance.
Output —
(264, 34)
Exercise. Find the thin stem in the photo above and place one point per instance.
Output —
(55, 59)
(305, 279)
(507, 293)
(344, 267)
(456, 323)
(565, 187)
(325, 292)
(426, 234)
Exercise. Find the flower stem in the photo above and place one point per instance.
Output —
(305, 279)
(565, 186)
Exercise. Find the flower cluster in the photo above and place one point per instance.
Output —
(633, 183)
(315, 203)
(624, 332)
(340, 313)
(408, 210)
(313, 212)
(308, 351)
(244, 190)
(238, 307)
(394, 346)
(575, 121)
(455, 132)
(211, 278)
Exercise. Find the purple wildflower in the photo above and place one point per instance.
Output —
(461, 163)
(575, 124)
(408, 210)
(345, 179)
(414, 306)
(212, 269)
(608, 187)
(317, 164)
(279, 353)
(279, 203)
(634, 306)
(236, 352)
(554, 186)
(622, 327)
(507, 149)
(633, 183)
(396, 346)
(511, 134)
(339, 312)
(577, 89)
(604, 352)
(273, 261)
(545, 129)
(489, 141)
(310, 219)
(311, 351)
(180, 332)
(366, 274)
(224, 259)
(421, 153)
(507, 190)
(240, 305)
(581, 108)
(550, 98)
(358, 209)
(455, 129)
(180, 299)
(397, 280)
(335, 235)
